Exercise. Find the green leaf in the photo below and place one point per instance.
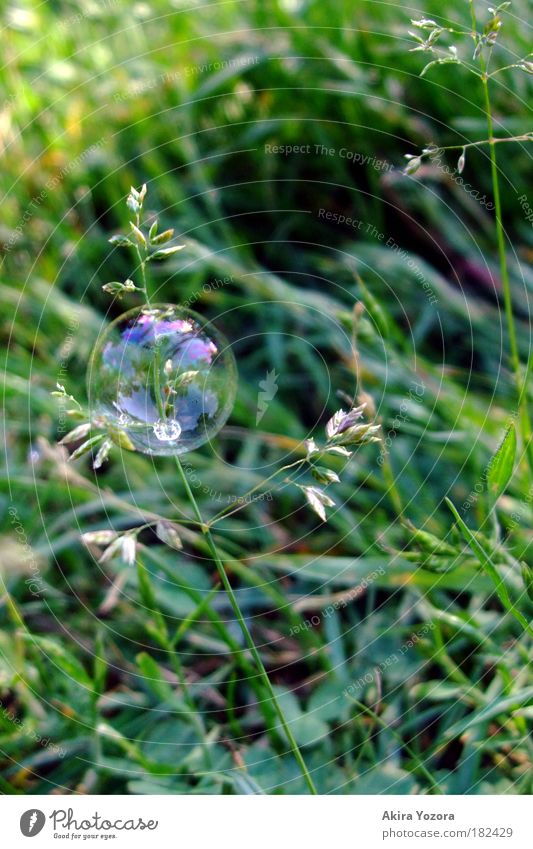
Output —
(139, 235)
(167, 532)
(61, 392)
(501, 466)
(86, 447)
(102, 454)
(121, 241)
(413, 165)
(58, 655)
(117, 288)
(149, 600)
(163, 237)
(446, 61)
(121, 438)
(429, 542)
(317, 499)
(384, 780)
(153, 678)
(324, 475)
(124, 546)
(133, 204)
(164, 253)
(440, 691)
(495, 708)
(527, 577)
(103, 537)
(99, 664)
(78, 433)
(328, 702)
(183, 380)
(308, 729)
(373, 308)
(485, 560)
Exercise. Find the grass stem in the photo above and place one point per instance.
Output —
(524, 418)
(246, 632)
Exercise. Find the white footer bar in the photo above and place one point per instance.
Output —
(267, 822)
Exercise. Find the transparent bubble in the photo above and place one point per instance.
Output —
(165, 377)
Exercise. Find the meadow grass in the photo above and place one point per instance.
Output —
(396, 635)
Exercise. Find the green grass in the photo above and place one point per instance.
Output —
(417, 681)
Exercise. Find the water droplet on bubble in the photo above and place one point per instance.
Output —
(165, 377)
(123, 420)
(167, 431)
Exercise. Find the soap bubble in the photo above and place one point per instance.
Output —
(163, 376)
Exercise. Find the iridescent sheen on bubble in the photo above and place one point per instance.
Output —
(164, 376)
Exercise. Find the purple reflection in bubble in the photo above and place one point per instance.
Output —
(147, 328)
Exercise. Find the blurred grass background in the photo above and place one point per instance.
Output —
(193, 100)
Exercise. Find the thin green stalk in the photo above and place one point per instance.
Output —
(473, 18)
(489, 141)
(390, 482)
(194, 615)
(245, 630)
(142, 265)
(143, 276)
(500, 238)
(311, 639)
(230, 509)
(452, 670)
(525, 422)
(388, 472)
(224, 578)
(96, 739)
(157, 381)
